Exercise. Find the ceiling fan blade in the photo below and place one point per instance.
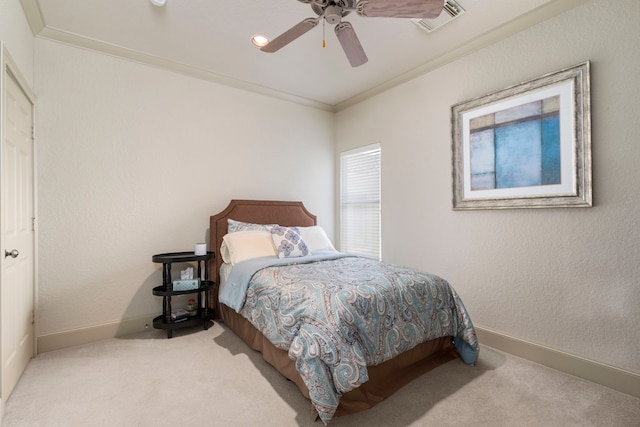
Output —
(350, 44)
(400, 8)
(290, 35)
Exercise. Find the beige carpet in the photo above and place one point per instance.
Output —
(210, 378)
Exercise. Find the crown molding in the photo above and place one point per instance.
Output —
(156, 61)
(33, 14)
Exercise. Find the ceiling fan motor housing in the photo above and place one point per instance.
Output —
(333, 14)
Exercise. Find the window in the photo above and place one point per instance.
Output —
(360, 207)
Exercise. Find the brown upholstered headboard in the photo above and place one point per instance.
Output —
(258, 212)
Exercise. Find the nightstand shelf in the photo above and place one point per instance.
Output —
(204, 314)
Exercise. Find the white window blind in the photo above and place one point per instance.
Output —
(360, 201)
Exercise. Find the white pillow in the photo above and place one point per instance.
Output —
(244, 245)
(316, 239)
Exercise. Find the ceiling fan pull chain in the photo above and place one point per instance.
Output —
(324, 39)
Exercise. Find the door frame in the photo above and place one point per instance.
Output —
(9, 66)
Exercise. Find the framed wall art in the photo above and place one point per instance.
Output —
(526, 146)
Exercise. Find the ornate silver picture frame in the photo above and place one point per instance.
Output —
(526, 146)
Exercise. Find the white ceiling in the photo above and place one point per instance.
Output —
(210, 39)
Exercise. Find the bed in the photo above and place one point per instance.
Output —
(365, 376)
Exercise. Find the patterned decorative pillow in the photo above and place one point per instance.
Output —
(233, 226)
(288, 242)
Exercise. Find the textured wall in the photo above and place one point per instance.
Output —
(565, 278)
(133, 160)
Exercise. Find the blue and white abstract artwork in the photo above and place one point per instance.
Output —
(516, 147)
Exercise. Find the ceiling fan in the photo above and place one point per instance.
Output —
(332, 11)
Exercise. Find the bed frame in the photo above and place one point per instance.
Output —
(384, 379)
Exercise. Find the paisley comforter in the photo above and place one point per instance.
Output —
(336, 316)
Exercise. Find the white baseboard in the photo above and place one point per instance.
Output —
(609, 376)
(90, 334)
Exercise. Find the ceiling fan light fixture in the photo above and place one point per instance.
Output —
(259, 40)
(158, 3)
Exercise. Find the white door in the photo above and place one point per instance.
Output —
(16, 218)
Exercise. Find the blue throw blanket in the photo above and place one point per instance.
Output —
(338, 314)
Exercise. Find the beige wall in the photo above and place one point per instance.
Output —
(564, 278)
(132, 162)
